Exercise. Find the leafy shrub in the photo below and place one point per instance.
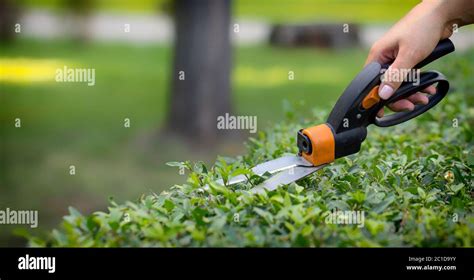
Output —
(413, 181)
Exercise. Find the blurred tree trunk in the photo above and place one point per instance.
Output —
(9, 16)
(201, 71)
(79, 13)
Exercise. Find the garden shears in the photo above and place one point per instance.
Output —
(346, 126)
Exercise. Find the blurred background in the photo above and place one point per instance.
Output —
(242, 57)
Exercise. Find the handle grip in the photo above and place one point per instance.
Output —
(444, 47)
(407, 89)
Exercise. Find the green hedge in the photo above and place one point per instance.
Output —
(414, 183)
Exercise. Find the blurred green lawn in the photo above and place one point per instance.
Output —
(361, 11)
(72, 124)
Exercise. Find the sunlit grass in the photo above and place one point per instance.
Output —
(347, 11)
(28, 70)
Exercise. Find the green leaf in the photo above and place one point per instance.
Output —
(175, 164)
(382, 206)
(456, 188)
(421, 192)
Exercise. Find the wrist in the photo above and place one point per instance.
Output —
(439, 8)
(451, 12)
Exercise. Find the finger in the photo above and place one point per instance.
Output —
(374, 54)
(431, 90)
(380, 113)
(402, 105)
(396, 73)
(418, 98)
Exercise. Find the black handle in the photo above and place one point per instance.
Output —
(407, 89)
(443, 48)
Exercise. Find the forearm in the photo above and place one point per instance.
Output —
(453, 12)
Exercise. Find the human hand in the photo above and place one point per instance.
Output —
(411, 40)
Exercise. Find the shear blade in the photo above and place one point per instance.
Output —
(272, 167)
(286, 177)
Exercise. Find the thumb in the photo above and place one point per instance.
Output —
(396, 73)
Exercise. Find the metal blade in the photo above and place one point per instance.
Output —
(280, 164)
(272, 167)
(286, 177)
